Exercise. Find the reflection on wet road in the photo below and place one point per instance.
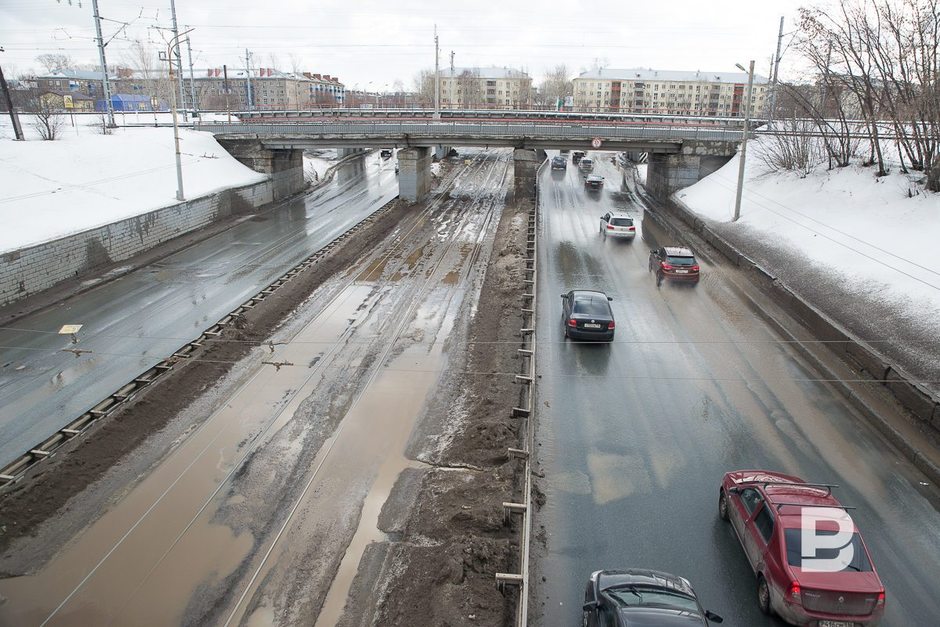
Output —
(133, 322)
(634, 436)
(248, 520)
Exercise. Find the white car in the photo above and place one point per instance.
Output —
(618, 224)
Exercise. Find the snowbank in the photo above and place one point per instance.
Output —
(878, 235)
(51, 189)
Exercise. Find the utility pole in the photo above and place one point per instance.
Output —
(109, 106)
(747, 123)
(248, 75)
(773, 81)
(228, 111)
(452, 64)
(437, 78)
(17, 129)
(192, 83)
(179, 58)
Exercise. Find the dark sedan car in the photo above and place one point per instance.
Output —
(559, 163)
(586, 315)
(638, 597)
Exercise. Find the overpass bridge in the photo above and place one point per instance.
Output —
(681, 150)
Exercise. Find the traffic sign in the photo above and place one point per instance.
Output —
(596, 142)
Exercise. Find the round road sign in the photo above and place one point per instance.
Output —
(596, 142)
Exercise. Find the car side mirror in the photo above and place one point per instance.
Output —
(610, 298)
(715, 618)
(564, 296)
(734, 490)
(590, 606)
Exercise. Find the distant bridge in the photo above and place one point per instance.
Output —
(682, 149)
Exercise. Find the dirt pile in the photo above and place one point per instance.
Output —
(449, 534)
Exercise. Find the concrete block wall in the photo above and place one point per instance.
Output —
(31, 270)
(667, 173)
(414, 174)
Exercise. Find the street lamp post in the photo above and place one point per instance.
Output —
(747, 123)
(175, 42)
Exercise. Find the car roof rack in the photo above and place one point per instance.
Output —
(827, 486)
(779, 505)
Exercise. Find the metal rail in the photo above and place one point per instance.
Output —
(44, 450)
(526, 411)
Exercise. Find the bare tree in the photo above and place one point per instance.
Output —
(151, 73)
(424, 87)
(274, 60)
(846, 29)
(55, 62)
(469, 90)
(296, 63)
(47, 120)
(556, 86)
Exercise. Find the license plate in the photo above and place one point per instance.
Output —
(682, 271)
(588, 325)
(834, 623)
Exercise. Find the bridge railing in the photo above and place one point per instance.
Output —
(479, 130)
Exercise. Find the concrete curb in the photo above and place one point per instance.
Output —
(922, 406)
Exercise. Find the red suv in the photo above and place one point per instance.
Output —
(783, 524)
(675, 263)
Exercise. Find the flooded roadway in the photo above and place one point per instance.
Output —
(133, 322)
(248, 519)
(634, 436)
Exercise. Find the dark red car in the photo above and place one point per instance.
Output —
(775, 517)
(675, 263)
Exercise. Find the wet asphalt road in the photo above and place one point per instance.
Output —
(133, 322)
(634, 436)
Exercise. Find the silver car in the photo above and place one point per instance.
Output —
(618, 224)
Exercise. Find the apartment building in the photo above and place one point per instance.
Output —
(219, 88)
(485, 87)
(668, 92)
(85, 82)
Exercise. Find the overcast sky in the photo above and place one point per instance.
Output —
(371, 43)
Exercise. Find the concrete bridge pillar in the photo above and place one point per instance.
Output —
(525, 165)
(668, 173)
(285, 166)
(414, 174)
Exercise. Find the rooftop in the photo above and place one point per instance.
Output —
(486, 72)
(649, 74)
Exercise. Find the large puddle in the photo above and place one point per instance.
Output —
(166, 546)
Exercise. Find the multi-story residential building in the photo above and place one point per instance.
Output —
(218, 88)
(89, 83)
(668, 92)
(484, 87)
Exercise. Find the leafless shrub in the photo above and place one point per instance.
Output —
(792, 148)
(47, 120)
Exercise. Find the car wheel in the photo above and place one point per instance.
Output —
(763, 595)
(722, 506)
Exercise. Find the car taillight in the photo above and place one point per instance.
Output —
(632, 228)
(665, 265)
(794, 591)
(881, 599)
(611, 325)
(610, 227)
(572, 322)
(695, 268)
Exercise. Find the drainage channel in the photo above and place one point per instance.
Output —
(17, 469)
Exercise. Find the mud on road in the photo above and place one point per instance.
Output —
(444, 532)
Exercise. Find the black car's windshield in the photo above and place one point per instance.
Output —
(596, 306)
(638, 596)
(680, 261)
(794, 540)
